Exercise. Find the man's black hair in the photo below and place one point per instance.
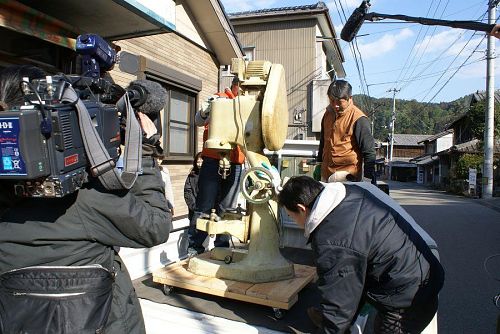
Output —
(10, 79)
(235, 81)
(340, 89)
(299, 190)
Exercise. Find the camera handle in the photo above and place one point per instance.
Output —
(101, 165)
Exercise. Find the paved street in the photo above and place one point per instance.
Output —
(467, 232)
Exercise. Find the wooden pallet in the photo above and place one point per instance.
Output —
(278, 295)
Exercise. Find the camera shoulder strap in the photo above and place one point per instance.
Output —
(101, 165)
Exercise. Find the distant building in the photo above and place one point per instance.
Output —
(406, 148)
(438, 164)
(431, 167)
(303, 40)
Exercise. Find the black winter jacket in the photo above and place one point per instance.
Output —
(191, 192)
(82, 228)
(366, 251)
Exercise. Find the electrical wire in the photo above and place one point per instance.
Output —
(354, 48)
(456, 56)
(426, 46)
(400, 68)
(414, 44)
(429, 38)
(458, 69)
(384, 31)
(443, 52)
(465, 9)
(429, 75)
(444, 85)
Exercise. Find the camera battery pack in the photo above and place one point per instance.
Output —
(23, 150)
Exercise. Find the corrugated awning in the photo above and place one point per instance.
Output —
(61, 21)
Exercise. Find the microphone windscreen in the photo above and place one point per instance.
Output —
(354, 22)
(156, 96)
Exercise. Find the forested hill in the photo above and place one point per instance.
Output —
(412, 117)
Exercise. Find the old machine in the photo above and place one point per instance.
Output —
(256, 119)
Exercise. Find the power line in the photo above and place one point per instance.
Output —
(426, 76)
(419, 65)
(406, 68)
(458, 69)
(361, 69)
(428, 40)
(456, 57)
(359, 63)
(414, 43)
(384, 31)
(443, 52)
(465, 9)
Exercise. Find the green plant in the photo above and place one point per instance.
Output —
(476, 117)
(464, 162)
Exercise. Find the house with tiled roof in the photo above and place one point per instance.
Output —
(406, 147)
(445, 161)
(401, 168)
(431, 168)
(302, 39)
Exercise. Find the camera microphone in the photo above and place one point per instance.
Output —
(354, 22)
(147, 96)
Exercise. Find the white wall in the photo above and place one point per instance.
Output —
(320, 56)
(319, 102)
(444, 143)
(185, 26)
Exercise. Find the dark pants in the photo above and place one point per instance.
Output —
(412, 320)
(217, 193)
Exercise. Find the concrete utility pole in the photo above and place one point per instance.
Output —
(489, 140)
(393, 120)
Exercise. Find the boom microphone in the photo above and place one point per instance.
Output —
(361, 14)
(354, 22)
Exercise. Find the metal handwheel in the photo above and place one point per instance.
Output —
(256, 185)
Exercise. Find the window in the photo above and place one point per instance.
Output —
(178, 124)
(249, 52)
(178, 129)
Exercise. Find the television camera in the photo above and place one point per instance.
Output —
(70, 127)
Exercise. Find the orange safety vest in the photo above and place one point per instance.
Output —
(236, 156)
(340, 153)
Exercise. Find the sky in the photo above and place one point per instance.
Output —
(424, 63)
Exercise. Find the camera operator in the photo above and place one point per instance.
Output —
(78, 230)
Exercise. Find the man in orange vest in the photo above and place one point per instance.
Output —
(214, 190)
(346, 147)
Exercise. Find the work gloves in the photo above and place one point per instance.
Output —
(206, 106)
(369, 173)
